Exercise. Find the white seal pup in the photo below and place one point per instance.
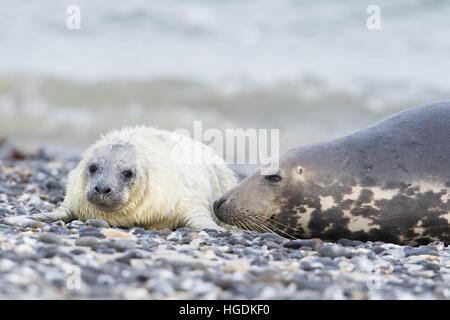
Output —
(144, 177)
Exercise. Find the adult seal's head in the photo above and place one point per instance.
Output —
(389, 182)
(258, 202)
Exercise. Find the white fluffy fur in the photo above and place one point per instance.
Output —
(168, 193)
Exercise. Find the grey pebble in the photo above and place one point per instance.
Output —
(334, 251)
(91, 232)
(297, 244)
(33, 224)
(138, 231)
(120, 244)
(150, 247)
(259, 262)
(350, 243)
(59, 223)
(95, 234)
(76, 224)
(419, 251)
(134, 254)
(104, 249)
(57, 230)
(50, 238)
(378, 250)
(97, 223)
(87, 242)
(77, 252)
(48, 252)
(273, 237)
(237, 240)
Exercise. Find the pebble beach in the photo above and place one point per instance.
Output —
(91, 260)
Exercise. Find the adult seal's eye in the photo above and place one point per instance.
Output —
(273, 178)
(127, 174)
(93, 169)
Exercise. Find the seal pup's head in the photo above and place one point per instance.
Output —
(258, 203)
(111, 173)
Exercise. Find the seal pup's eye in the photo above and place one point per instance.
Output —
(93, 168)
(127, 174)
(273, 178)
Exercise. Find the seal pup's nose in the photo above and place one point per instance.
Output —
(218, 203)
(103, 190)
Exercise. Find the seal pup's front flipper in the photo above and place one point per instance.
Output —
(60, 214)
(199, 220)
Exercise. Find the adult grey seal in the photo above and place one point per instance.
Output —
(389, 182)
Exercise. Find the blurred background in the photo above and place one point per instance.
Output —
(309, 68)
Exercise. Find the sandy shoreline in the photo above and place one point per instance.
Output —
(90, 260)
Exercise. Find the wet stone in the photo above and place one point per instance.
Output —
(216, 233)
(50, 238)
(350, 243)
(77, 252)
(251, 252)
(52, 184)
(378, 250)
(57, 230)
(94, 234)
(104, 249)
(97, 223)
(270, 244)
(120, 244)
(334, 251)
(277, 256)
(59, 224)
(150, 247)
(91, 232)
(273, 237)
(419, 251)
(129, 256)
(235, 240)
(138, 231)
(297, 244)
(33, 225)
(183, 231)
(48, 252)
(76, 224)
(87, 242)
(259, 262)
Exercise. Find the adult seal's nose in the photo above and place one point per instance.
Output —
(218, 203)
